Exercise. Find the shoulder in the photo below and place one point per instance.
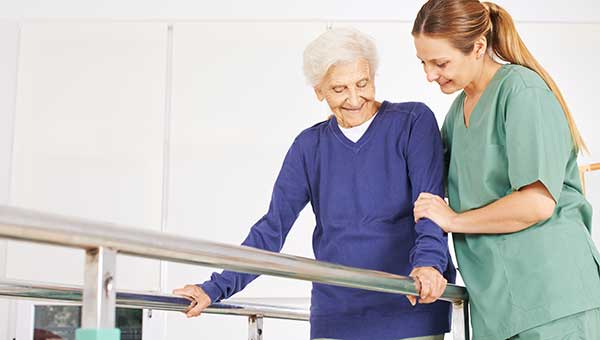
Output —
(409, 119)
(309, 137)
(313, 131)
(407, 110)
(519, 78)
(522, 86)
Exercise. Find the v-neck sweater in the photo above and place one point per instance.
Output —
(362, 195)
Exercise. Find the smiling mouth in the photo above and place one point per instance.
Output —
(445, 83)
(354, 109)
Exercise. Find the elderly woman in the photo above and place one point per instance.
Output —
(361, 170)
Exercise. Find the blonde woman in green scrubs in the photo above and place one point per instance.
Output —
(520, 222)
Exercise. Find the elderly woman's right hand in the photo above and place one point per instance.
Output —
(199, 299)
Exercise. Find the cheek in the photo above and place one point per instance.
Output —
(460, 73)
(368, 93)
(449, 73)
(334, 102)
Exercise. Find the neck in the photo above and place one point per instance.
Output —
(488, 69)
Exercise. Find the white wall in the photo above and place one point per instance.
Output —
(93, 109)
(9, 40)
(88, 137)
(532, 10)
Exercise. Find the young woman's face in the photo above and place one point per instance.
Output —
(444, 64)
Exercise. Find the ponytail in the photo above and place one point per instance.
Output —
(462, 22)
(508, 46)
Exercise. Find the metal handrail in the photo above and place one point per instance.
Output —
(154, 301)
(591, 167)
(22, 224)
(587, 168)
(102, 242)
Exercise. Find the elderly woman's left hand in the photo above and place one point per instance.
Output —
(434, 208)
(430, 285)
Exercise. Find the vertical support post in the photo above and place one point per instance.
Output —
(460, 320)
(99, 296)
(466, 317)
(255, 327)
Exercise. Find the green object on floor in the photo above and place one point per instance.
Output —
(98, 334)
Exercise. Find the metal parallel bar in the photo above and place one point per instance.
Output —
(99, 297)
(255, 327)
(466, 321)
(21, 224)
(458, 322)
(154, 301)
(587, 168)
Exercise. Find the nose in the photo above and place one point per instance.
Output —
(353, 98)
(431, 73)
(432, 76)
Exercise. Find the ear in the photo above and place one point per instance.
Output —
(480, 46)
(319, 93)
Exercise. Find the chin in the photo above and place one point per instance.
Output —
(449, 89)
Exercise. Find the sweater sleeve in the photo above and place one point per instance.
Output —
(290, 196)
(425, 160)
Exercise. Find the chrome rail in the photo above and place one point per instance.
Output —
(583, 169)
(155, 301)
(21, 224)
(102, 240)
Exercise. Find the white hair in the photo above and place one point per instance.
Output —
(337, 45)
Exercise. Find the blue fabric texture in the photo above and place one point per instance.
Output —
(362, 195)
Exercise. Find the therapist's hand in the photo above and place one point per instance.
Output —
(199, 299)
(430, 285)
(436, 209)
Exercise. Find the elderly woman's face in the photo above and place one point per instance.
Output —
(349, 91)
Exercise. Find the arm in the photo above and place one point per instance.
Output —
(425, 162)
(426, 173)
(514, 212)
(290, 196)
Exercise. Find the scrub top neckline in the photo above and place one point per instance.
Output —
(485, 93)
(333, 124)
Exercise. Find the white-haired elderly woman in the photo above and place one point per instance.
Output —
(361, 170)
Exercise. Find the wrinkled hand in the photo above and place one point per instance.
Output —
(199, 299)
(430, 285)
(434, 208)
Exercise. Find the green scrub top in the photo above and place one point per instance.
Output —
(517, 135)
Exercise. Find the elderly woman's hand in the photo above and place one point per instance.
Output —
(436, 209)
(430, 285)
(199, 299)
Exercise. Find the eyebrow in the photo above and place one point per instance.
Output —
(435, 60)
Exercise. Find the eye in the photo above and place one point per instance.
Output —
(362, 83)
(442, 65)
(339, 89)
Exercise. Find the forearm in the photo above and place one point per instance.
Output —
(514, 212)
(266, 234)
(431, 246)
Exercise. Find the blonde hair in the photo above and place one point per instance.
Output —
(462, 22)
(337, 45)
